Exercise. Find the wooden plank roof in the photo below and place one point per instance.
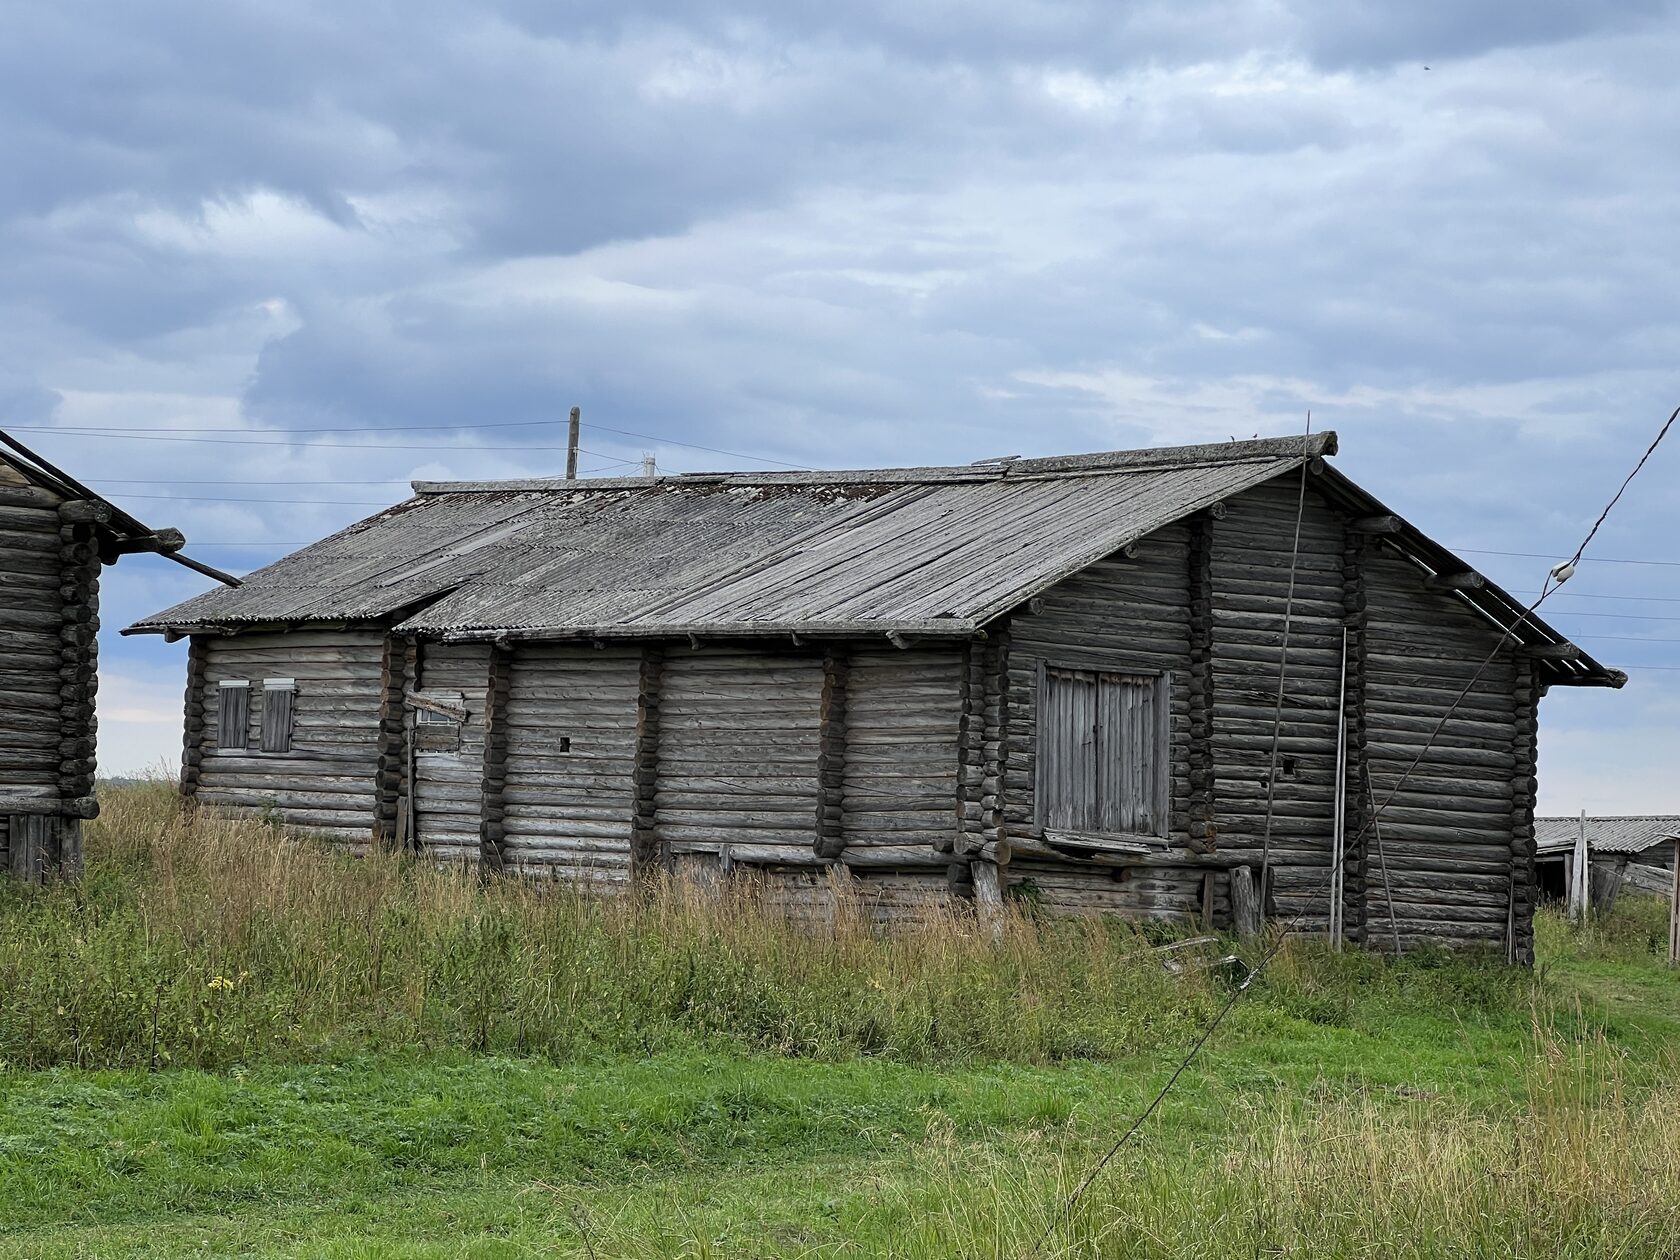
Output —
(923, 552)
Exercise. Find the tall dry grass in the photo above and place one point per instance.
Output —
(1585, 1166)
(211, 940)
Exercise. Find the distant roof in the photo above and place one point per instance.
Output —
(919, 552)
(1625, 834)
(122, 532)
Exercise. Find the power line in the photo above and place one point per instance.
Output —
(341, 446)
(649, 437)
(382, 428)
(1598, 616)
(223, 481)
(1537, 555)
(171, 435)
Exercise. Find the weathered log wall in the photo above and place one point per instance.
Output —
(32, 571)
(901, 725)
(327, 782)
(1447, 833)
(571, 755)
(1251, 557)
(49, 623)
(737, 749)
(1126, 613)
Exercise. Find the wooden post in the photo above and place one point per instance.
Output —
(988, 898)
(1674, 911)
(1204, 831)
(995, 742)
(1360, 832)
(393, 751)
(192, 738)
(57, 839)
(1338, 828)
(1245, 903)
(645, 858)
(1579, 873)
(572, 443)
(831, 755)
(492, 830)
(1524, 882)
(970, 830)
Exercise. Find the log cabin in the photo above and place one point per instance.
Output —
(55, 536)
(1054, 679)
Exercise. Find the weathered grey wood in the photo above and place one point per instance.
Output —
(1245, 904)
(645, 847)
(276, 719)
(1375, 525)
(492, 828)
(988, 898)
(233, 705)
(1551, 652)
(1203, 831)
(1464, 580)
(830, 828)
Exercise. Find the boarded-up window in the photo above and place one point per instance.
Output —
(1103, 755)
(233, 712)
(279, 695)
(438, 718)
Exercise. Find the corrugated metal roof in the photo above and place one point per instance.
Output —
(1632, 834)
(915, 551)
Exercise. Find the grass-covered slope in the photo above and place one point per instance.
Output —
(219, 1043)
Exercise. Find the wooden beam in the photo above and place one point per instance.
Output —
(971, 772)
(1376, 525)
(1674, 912)
(163, 541)
(391, 764)
(492, 829)
(1465, 580)
(645, 855)
(831, 755)
(1551, 652)
(1204, 828)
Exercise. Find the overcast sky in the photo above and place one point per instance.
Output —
(881, 232)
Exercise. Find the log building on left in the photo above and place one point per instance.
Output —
(55, 536)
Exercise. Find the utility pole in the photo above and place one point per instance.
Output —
(1580, 872)
(1674, 912)
(649, 467)
(572, 443)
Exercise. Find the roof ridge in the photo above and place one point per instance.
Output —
(1141, 459)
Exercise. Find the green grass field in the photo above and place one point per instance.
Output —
(218, 1044)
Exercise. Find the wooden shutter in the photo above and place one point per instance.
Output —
(1067, 750)
(278, 694)
(1130, 754)
(233, 712)
(1103, 752)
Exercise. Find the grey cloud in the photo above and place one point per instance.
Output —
(1375, 33)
